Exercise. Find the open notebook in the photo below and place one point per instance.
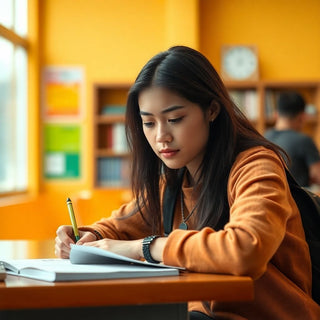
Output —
(86, 263)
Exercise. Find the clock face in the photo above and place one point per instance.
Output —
(239, 63)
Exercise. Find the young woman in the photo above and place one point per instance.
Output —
(234, 212)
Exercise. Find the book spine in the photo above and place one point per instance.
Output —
(119, 138)
(113, 171)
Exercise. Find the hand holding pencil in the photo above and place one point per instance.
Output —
(66, 234)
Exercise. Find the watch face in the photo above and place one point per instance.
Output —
(239, 62)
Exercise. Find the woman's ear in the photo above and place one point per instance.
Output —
(213, 111)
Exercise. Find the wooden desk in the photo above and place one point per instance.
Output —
(140, 298)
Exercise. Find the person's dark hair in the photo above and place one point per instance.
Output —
(290, 104)
(189, 74)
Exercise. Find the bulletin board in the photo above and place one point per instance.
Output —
(63, 92)
(63, 116)
(62, 144)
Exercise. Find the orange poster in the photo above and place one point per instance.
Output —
(63, 92)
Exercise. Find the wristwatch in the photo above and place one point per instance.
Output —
(146, 248)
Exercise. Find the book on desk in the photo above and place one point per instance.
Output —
(86, 263)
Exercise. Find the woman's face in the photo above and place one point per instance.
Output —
(176, 129)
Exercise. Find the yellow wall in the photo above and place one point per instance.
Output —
(112, 40)
(286, 32)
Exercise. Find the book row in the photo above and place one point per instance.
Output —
(116, 138)
(113, 171)
(247, 102)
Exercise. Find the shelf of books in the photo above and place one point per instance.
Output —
(310, 92)
(257, 100)
(247, 101)
(247, 96)
(111, 156)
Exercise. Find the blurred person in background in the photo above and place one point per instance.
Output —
(303, 153)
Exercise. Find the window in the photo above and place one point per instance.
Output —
(13, 96)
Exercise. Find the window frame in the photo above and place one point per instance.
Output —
(13, 37)
(23, 42)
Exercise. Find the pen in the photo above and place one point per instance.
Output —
(73, 219)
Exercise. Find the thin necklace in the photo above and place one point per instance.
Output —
(183, 225)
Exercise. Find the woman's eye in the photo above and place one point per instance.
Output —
(175, 120)
(148, 124)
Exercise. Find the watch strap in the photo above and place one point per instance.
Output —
(146, 242)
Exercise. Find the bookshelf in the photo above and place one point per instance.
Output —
(257, 100)
(247, 96)
(111, 157)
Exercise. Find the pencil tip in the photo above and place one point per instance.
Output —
(68, 199)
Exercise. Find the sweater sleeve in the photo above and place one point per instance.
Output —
(260, 206)
(122, 225)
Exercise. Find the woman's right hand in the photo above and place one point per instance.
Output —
(65, 237)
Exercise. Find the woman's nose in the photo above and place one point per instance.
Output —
(163, 134)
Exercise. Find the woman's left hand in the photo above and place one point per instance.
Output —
(129, 248)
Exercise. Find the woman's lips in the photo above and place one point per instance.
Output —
(168, 153)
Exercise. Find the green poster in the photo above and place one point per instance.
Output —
(62, 144)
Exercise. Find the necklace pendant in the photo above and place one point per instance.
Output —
(183, 226)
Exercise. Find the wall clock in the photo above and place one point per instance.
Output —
(239, 63)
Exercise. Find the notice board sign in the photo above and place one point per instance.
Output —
(62, 145)
(62, 92)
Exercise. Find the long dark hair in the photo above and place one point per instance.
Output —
(188, 73)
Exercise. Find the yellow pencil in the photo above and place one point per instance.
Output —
(73, 219)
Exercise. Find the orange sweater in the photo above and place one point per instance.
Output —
(264, 239)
